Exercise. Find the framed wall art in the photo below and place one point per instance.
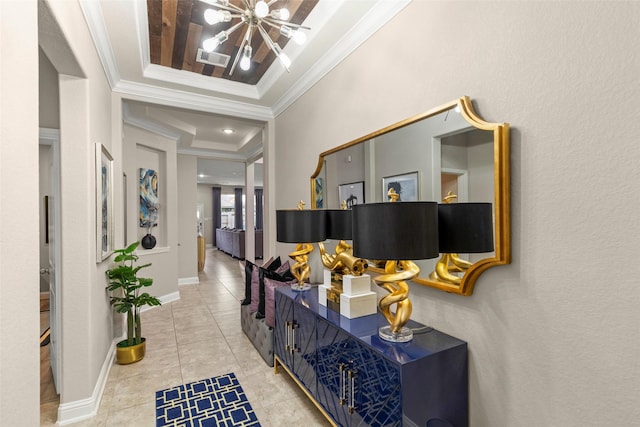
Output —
(104, 203)
(319, 193)
(149, 201)
(352, 193)
(406, 185)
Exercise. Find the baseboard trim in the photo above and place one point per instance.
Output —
(72, 412)
(173, 296)
(188, 281)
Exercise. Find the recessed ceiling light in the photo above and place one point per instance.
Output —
(228, 131)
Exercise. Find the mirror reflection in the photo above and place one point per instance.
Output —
(446, 151)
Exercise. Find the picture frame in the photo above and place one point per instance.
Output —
(406, 185)
(319, 191)
(104, 203)
(352, 193)
(149, 199)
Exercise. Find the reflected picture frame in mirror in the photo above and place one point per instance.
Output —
(500, 151)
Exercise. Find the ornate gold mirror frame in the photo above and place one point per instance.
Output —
(501, 190)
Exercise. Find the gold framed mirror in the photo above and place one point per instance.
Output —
(449, 148)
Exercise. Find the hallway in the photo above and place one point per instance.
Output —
(194, 338)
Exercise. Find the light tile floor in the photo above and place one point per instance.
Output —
(194, 338)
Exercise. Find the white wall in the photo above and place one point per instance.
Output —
(553, 337)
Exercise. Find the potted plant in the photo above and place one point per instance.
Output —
(125, 295)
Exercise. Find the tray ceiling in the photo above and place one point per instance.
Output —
(147, 52)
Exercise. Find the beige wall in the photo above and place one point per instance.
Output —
(187, 221)
(86, 340)
(86, 319)
(205, 197)
(48, 93)
(553, 336)
(148, 150)
(19, 360)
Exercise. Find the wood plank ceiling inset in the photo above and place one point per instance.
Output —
(177, 29)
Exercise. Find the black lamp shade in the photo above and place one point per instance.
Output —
(339, 224)
(399, 231)
(465, 227)
(301, 226)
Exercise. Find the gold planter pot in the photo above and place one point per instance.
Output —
(130, 354)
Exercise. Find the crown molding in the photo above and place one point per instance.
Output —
(95, 21)
(212, 154)
(199, 81)
(148, 125)
(192, 101)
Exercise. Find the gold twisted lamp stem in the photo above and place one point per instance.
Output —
(300, 269)
(392, 195)
(342, 261)
(395, 282)
(448, 264)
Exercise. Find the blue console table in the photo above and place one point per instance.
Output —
(357, 379)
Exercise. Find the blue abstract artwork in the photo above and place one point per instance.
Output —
(149, 204)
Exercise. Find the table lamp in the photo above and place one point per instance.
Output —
(399, 233)
(301, 227)
(462, 228)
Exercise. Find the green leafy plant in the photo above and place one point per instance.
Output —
(126, 290)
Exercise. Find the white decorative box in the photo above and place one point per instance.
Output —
(352, 306)
(356, 285)
(322, 294)
(327, 278)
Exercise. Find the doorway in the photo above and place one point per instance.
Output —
(49, 165)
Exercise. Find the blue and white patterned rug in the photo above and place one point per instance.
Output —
(218, 401)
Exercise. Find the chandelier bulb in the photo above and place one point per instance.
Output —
(281, 14)
(261, 9)
(245, 62)
(284, 59)
(286, 31)
(214, 16)
(210, 44)
(298, 36)
(211, 16)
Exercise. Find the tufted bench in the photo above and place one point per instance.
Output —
(260, 335)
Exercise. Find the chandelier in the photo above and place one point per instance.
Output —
(255, 16)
